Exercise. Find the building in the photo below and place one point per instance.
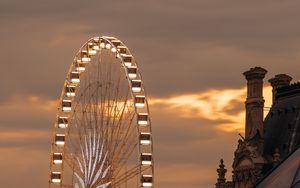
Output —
(269, 144)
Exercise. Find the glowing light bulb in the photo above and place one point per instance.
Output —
(108, 46)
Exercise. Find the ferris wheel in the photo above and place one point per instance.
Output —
(102, 133)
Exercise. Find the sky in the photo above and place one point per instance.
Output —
(191, 53)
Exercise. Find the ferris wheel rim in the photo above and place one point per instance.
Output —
(109, 40)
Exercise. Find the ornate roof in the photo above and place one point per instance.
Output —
(285, 175)
(282, 124)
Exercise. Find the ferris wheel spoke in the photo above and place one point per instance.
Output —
(124, 157)
(80, 180)
(126, 142)
(126, 176)
(98, 155)
(100, 171)
(117, 133)
(122, 151)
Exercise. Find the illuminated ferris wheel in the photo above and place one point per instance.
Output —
(102, 133)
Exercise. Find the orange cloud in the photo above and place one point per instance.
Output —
(26, 118)
(29, 103)
(221, 105)
(28, 134)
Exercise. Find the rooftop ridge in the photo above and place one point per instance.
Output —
(289, 90)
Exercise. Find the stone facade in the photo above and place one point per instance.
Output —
(266, 141)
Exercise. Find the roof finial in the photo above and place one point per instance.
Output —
(221, 175)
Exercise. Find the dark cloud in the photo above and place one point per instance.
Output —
(198, 45)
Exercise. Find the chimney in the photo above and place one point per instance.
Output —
(255, 101)
(280, 80)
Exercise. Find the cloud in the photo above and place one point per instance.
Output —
(27, 113)
(25, 139)
(26, 122)
(225, 106)
(211, 105)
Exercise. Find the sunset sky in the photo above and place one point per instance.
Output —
(191, 53)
